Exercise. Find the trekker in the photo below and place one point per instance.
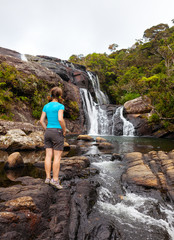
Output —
(55, 131)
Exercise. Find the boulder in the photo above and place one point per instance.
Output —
(14, 160)
(85, 138)
(16, 139)
(138, 105)
(105, 145)
(100, 139)
(66, 146)
(116, 156)
(152, 170)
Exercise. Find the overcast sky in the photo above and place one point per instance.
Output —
(60, 28)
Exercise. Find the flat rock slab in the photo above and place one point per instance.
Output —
(152, 170)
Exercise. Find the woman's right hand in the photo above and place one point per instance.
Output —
(64, 133)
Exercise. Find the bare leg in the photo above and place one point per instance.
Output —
(56, 164)
(48, 158)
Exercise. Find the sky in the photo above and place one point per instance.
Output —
(61, 28)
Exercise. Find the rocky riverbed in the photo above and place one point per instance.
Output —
(97, 187)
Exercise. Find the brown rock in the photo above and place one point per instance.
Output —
(138, 105)
(116, 156)
(141, 175)
(100, 139)
(25, 202)
(105, 145)
(14, 161)
(8, 217)
(85, 138)
(66, 146)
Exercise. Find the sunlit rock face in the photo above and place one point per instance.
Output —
(138, 105)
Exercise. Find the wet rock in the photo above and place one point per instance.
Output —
(85, 138)
(39, 211)
(3, 156)
(116, 156)
(138, 105)
(152, 170)
(8, 217)
(25, 202)
(105, 145)
(100, 139)
(14, 160)
(66, 146)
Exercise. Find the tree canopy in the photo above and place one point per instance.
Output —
(147, 68)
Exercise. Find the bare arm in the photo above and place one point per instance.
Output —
(42, 120)
(62, 121)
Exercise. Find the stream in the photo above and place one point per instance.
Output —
(144, 214)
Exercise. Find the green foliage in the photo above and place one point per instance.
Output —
(129, 96)
(73, 109)
(154, 118)
(145, 69)
(15, 86)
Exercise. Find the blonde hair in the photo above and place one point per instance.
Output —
(56, 92)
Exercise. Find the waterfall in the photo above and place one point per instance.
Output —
(101, 97)
(90, 110)
(128, 128)
(97, 118)
(23, 58)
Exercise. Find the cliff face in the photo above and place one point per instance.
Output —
(26, 84)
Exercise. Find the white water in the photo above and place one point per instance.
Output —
(90, 109)
(101, 97)
(128, 128)
(98, 122)
(133, 211)
(23, 58)
(97, 117)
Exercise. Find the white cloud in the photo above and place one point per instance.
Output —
(62, 28)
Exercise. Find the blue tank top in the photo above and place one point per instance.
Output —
(51, 109)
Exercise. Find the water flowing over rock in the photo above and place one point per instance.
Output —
(96, 115)
(120, 125)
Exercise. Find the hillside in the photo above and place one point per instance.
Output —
(25, 85)
(147, 68)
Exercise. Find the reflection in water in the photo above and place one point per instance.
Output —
(124, 145)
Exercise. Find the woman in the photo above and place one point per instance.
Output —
(54, 135)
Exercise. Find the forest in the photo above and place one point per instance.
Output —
(145, 69)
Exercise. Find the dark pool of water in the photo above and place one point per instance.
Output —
(8, 177)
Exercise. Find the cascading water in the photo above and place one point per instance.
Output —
(135, 215)
(97, 118)
(23, 58)
(101, 97)
(128, 128)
